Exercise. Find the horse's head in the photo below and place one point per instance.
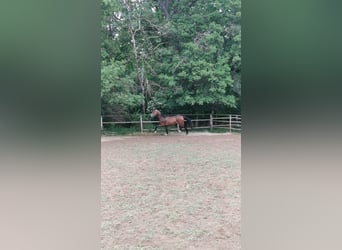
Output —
(155, 113)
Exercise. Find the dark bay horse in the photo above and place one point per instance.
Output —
(164, 121)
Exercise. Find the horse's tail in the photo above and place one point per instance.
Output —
(187, 119)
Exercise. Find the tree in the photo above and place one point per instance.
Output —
(173, 55)
(195, 66)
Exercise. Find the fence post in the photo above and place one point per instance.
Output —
(211, 122)
(101, 123)
(141, 125)
(230, 123)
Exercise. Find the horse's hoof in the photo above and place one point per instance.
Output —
(155, 132)
(165, 134)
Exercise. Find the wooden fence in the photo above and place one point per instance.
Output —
(229, 122)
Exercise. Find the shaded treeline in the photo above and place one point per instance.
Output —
(179, 56)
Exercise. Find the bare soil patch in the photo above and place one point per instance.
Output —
(171, 192)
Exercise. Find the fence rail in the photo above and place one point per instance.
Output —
(229, 122)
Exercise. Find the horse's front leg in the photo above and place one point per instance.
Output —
(167, 132)
(155, 129)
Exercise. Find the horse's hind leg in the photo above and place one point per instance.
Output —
(167, 132)
(186, 127)
(155, 129)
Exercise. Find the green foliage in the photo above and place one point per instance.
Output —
(117, 85)
(171, 55)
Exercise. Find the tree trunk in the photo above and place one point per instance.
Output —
(212, 108)
(164, 5)
(139, 70)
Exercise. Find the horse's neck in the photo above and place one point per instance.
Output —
(161, 117)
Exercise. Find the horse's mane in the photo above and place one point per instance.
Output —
(161, 113)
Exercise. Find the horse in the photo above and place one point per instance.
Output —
(165, 121)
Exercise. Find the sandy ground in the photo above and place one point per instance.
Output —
(171, 192)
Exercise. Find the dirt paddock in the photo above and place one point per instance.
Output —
(171, 192)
